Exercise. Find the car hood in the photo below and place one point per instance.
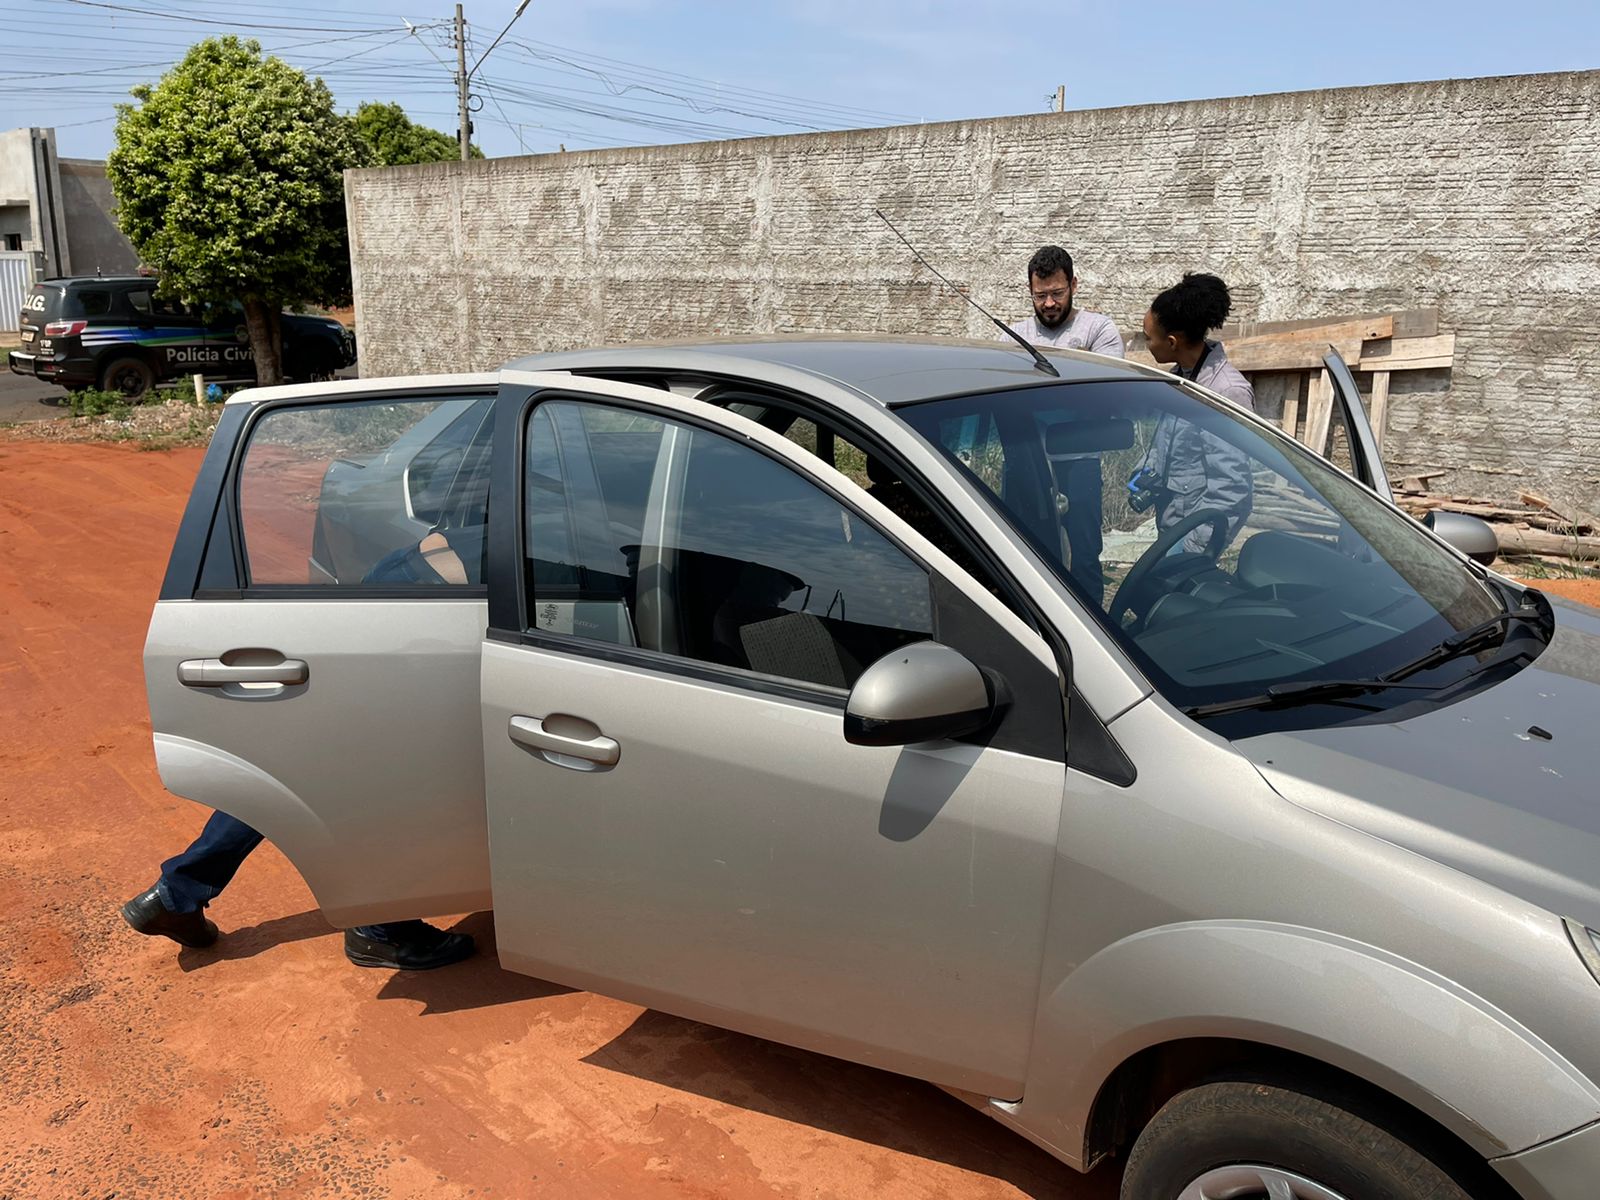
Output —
(1468, 784)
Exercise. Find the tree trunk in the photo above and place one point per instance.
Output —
(266, 340)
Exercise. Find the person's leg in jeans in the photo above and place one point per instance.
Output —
(173, 908)
(191, 880)
(1083, 522)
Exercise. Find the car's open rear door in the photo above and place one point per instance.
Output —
(306, 672)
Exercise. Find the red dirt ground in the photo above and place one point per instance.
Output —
(268, 1066)
(1584, 591)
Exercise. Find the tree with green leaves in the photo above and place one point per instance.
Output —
(229, 179)
(395, 140)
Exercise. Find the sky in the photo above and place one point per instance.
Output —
(587, 74)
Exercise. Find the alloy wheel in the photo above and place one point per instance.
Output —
(1247, 1181)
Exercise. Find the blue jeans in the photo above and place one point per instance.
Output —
(196, 877)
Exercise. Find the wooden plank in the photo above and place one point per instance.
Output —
(1273, 389)
(1281, 352)
(1319, 413)
(1378, 406)
(1291, 415)
(1409, 354)
(1365, 328)
(1568, 514)
(1410, 323)
(1538, 541)
(1419, 481)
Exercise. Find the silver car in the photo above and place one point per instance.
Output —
(754, 682)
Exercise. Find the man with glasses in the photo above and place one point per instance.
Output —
(1055, 322)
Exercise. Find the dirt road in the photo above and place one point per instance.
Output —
(267, 1066)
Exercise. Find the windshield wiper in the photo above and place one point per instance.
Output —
(1468, 641)
(1309, 691)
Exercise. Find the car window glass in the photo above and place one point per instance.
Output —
(382, 492)
(91, 302)
(163, 306)
(872, 473)
(140, 299)
(1223, 557)
(684, 541)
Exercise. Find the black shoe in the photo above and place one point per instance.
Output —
(407, 946)
(149, 916)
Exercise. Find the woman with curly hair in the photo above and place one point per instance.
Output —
(1187, 468)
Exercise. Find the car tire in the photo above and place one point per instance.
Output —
(131, 378)
(1244, 1138)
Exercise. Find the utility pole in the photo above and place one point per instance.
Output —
(1061, 88)
(464, 131)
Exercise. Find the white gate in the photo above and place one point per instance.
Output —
(16, 277)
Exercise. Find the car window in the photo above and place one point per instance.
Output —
(382, 492)
(657, 534)
(1223, 557)
(140, 299)
(163, 306)
(880, 480)
(90, 302)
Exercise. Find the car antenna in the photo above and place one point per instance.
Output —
(1039, 360)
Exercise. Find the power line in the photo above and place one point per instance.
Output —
(356, 54)
(189, 18)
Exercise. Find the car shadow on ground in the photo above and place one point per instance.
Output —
(479, 982)
(838, 1097)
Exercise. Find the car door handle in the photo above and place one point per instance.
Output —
(213, 672)
(530, 732)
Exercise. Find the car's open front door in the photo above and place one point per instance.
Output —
(1365, 458)
(679, 601)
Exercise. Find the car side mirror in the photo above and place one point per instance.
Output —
(1472, 537)
(918, 693)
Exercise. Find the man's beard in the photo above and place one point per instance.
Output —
(1045, 322)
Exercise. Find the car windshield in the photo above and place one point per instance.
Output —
(1224, 556)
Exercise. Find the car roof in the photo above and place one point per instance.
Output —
(68, 280)
(890, 370)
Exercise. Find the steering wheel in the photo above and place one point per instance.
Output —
(1169, 537)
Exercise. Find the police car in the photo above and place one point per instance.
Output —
(119, 335)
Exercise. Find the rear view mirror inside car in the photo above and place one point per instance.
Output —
(1088, 437)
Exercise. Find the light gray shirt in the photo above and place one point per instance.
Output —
(1198, 469)
(1222, 377)
(1082, 331)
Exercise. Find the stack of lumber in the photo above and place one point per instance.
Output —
(1534, 527)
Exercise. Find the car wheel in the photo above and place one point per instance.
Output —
(1243, 1140)
(131, 378)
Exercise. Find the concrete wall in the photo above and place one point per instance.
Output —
(93, 239)
(1479, 197)
(16, 167)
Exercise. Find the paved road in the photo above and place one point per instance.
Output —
(267, 1065)
(26, 399)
